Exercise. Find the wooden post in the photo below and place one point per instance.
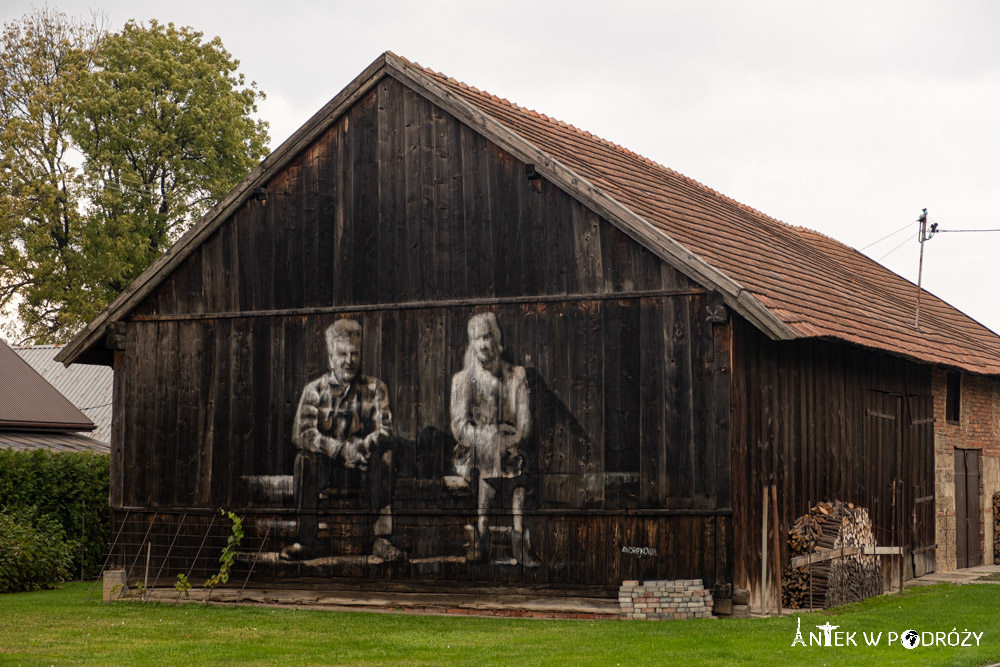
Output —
(776, 556)
(145, 575)
(763, 554)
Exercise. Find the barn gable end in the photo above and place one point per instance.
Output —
(405, 219)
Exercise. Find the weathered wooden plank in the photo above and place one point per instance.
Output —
(825, 555)
(417, 305)
(117, 458)
(654, 486)
(188, 381)
(506, 233)
(741, 344)
(561, 265)
(679, 400)
(328, 187)
(701, 406)
(259, 447)
(363, 158)
(588, 260)
(391, 275)
(342, 265)
(449, 253)
(204, 445)
(218, 469)
(621, 373)
(476, 214)
(307, 241)
(414, 111)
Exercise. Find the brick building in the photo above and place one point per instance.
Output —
(967, 466)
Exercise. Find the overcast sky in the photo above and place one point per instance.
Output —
(846, 117)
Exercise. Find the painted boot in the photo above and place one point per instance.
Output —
(477, 550)
(520, 548)
(384, 549)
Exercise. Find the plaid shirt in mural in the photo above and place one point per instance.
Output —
(332, 416)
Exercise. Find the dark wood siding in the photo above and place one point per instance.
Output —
(822, 420)
(398, 202)
(409, 222)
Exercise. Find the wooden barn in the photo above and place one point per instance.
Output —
(439, 338)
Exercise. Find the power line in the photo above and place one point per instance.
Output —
(901, 229)
(892, 251)
(967, 230)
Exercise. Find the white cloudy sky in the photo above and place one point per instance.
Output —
(847, 117)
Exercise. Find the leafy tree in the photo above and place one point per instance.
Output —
(42, 57)
(162, 123)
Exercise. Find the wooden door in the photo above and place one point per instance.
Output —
(899, 476)
(918, 467)
(967, 528)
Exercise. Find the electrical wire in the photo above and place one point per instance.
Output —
(892, 251)
(967, 230)
(901, 229)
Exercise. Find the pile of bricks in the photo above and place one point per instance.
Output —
(664, 600)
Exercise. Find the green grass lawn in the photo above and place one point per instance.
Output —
(59, 627)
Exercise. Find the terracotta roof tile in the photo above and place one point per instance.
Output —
(816, 285)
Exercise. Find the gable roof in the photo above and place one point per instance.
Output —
(29, 403)
(790, 282)
(87, 386)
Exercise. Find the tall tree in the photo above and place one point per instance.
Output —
(42, 58)
(163, 125)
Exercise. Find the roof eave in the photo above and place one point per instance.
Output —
(47, 427)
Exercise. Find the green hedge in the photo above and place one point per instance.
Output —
(69, 487)
(34, 552)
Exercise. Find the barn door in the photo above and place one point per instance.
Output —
(879, 474)
(918, 470)
(967, 552)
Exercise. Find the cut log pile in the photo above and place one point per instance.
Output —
(996, 528)
(830, 525)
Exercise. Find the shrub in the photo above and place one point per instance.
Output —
(34, 553)
(68, 487)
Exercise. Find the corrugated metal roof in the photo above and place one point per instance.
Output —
(57, 442)
(29, 403)
(88, 387)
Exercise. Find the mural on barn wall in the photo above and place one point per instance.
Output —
(344, 421)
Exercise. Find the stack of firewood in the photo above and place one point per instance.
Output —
(996, 528)
(836, 581)
(856, 577)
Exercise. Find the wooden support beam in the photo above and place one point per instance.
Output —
(827, 554)
(882, 551)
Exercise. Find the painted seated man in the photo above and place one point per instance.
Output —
(491, 420)
(343, 419)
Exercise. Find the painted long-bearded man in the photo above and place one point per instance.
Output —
(491, 420)
(343, 419)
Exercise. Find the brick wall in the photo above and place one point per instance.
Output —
(978, 427)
